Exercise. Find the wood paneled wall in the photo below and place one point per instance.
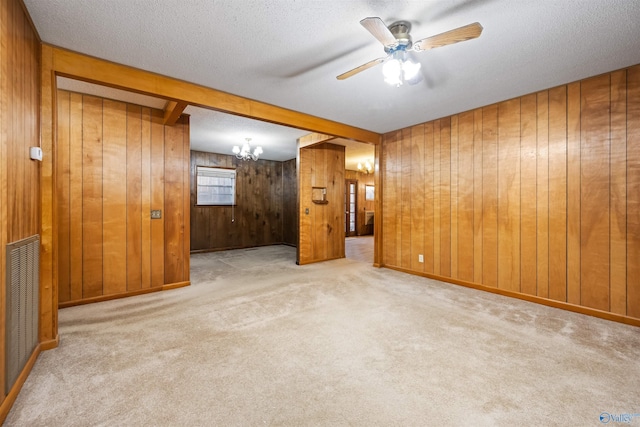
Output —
(289, 203)
(322, 228)
(258, 217)
(19, 130)
(538, 195)
(363, 205)
(116, 162)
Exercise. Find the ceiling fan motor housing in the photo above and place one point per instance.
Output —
(400, 31)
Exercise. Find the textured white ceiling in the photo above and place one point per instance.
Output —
(288, 52)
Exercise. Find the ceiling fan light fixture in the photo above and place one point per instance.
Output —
(392, 72)
(410, 69)
(399, 68)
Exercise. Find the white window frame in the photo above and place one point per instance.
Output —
(215, 186)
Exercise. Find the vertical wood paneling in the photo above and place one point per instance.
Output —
(542, 194)
(75, 189)
(454, 197)
(157, 198)
(322, 230)
(62, 184)
(92, 197)
(429, 215)
(573, 193)
(528, 168)
(134, 197)
(594, 192)
(445, 197)
(406, 202)
(398, 198)
(558, 193)
(319, 214)
(115, 198)
(19, 175)
(304, 184)
(4, 165)
(289, 203)
(389, 206)
(490, 196)
(618, 193)
(417, 229)
(633, 192)
(145, 171)
(478, 194)
(509, 195)
(437, 213)
(16, 172)
(466, 247)
(186, 223)
(173, 255)
(115, 175)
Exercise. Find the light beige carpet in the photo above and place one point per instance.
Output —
(257, 340)
(359, 249)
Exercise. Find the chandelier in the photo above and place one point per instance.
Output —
(245, 153)
(367, 168)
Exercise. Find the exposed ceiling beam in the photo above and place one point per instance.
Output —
(82, 67)
(172, 112)
(314, 138)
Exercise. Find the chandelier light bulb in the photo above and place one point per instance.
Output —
(245, 153)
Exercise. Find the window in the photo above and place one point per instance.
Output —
(216, 186)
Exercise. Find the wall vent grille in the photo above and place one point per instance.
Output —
(23, 279)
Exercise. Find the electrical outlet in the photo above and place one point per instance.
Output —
(156, 214)
(420, 258)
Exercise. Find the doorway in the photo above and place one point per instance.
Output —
(351, 206)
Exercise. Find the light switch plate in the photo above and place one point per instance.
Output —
(156, 214)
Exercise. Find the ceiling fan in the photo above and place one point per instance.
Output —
(397, 42)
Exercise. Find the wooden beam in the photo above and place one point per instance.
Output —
(313, 139)
(172, 112)
(86, 68)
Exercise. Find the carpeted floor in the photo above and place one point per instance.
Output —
(359, 248)
(257, 340)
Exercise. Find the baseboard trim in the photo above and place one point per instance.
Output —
(11, 397)
(531, 298)
(50, 344)
(320, 260)
(102, 298)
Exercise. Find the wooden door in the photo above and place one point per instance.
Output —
(351, 206)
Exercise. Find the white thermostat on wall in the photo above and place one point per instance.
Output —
(36, 153)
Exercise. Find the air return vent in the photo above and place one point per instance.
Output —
(23, 266)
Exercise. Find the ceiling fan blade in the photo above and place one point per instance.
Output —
(461, 34)
(379, 30)
(360, 68)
